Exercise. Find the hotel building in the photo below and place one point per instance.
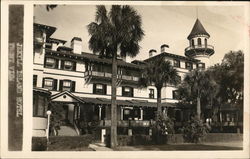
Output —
(79, 84)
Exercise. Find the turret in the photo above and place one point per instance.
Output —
(198, 44)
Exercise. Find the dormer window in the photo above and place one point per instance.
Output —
(51, 62)
(67, 85)
(99, 89)
(68, 65)
(176, 63)
(201, 65)
(127, 91)
(49, 83)
(151, 93)
(189, 65)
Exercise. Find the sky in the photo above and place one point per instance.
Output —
(162, 25)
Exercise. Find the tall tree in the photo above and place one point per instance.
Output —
(197, 84)
(115, 33)
(159, 72)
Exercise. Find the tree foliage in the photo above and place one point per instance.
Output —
(120, 29)
(159, 73)
(194, 130)
(198, 87)
(117, 32)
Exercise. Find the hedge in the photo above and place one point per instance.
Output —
(39, 143)
(63, 143)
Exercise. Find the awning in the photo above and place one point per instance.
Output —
(139, 103)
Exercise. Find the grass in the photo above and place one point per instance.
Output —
(173, 147)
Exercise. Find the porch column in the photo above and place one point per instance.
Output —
(59, 64)
(141, 110)
(100, 112)
(121, 113)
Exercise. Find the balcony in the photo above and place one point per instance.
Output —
(89, 75)
(127, 123)
(199, 50)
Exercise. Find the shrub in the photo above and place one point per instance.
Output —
(164, 125)
(39, 144)
(69, 142)
(194, 130)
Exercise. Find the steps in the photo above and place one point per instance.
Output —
(67, 131)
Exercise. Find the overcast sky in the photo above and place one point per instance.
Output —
(162, 25)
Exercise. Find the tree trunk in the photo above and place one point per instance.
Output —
(158, 102)
(198, 107)
(113, 104)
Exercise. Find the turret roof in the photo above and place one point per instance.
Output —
(198, 29)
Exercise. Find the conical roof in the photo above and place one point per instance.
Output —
(198, 29)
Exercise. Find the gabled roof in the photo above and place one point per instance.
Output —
(57, 95)
(198, 29)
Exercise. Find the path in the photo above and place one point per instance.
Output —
(99, 147)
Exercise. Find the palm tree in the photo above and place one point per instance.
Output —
(115, 33)
(159, 72)
(198, 84)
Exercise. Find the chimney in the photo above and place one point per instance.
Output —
(76, 45)
(164, 48)
(152, 53)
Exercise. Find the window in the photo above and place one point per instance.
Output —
(99, 89)
(201, 65)
(178, 78)
(189, 65)
(176, 63)
(127, 91)
(192, 42)
(34, 80)
(67, 85)
(199, 41)
(40, 104)
(68, 65)
(50, 83)
(205, 42)
(176, 94)
(51, 62)
(151, 93)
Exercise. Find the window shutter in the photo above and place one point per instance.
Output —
(73, 83)
(54, 84)
(43, 83)
(94, 88)
(123, 91)
(60, 85)
(74, 66)
(104, 89)
(56, 63)
(62, 64)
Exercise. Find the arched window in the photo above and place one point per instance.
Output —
(205, 42)
(199, 41)
(192, 43)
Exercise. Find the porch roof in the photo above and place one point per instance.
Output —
(139, 103)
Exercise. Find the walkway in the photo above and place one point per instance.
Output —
(99, 147)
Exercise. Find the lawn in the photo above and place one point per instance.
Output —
(173, 147)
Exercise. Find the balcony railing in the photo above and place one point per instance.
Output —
(109, 75)
(199, 47)
(127, 123)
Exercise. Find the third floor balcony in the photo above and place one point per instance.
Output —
(199, 50)
(92, 75)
